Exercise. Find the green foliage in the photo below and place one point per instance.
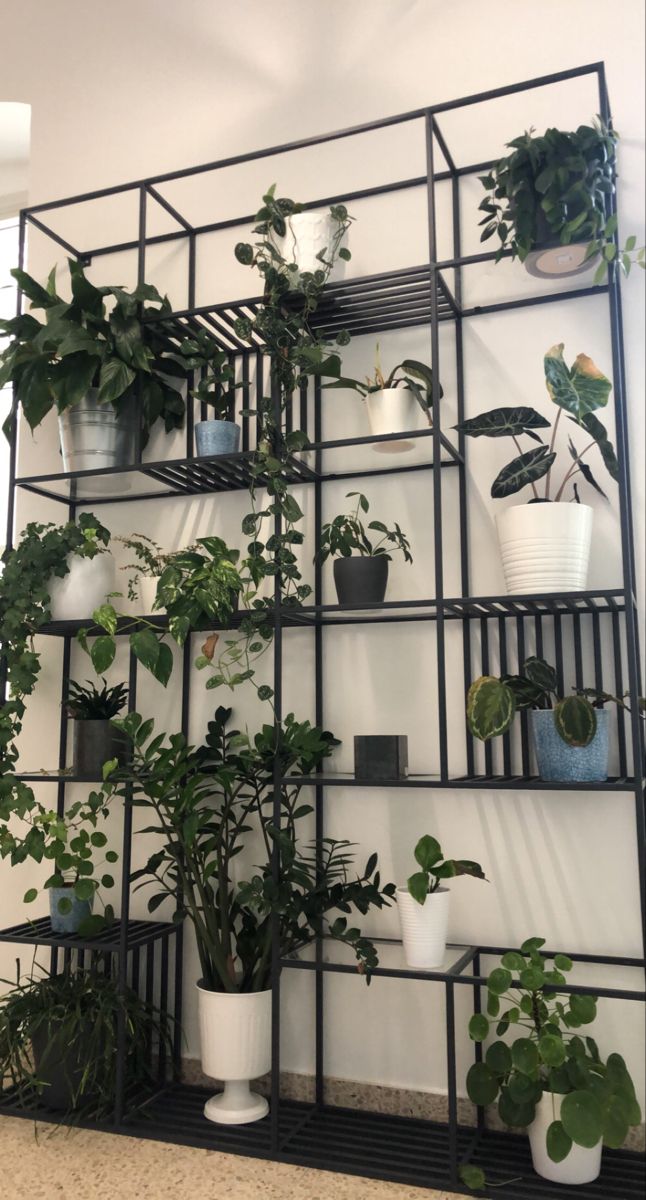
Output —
(411, 374)
(550, 1056)
(217, 386)
(208, 802)
(90, 704)
(434, 869)
(148, 560)
(347, 533)
(102, 338)
(577, 390)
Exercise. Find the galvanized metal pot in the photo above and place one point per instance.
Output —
(216, 437)
(94, 436)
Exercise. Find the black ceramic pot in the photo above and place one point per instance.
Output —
(95, 742)
(59, 1066)
(361, 580)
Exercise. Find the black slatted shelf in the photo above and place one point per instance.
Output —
(518, 783)
(459, 607)
(39, 933)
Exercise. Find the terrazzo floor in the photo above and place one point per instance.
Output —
(65, 1165)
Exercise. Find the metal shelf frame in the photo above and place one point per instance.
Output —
(363, 1143)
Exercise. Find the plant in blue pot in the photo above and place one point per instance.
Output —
(570, 733)
(216, 390)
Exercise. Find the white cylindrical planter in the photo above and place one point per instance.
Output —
(235, 1036)
(545, 547)
(147, 587)
(424, 927)
(86, 586)
(392, 410)
(309, 233)
(580, 1166)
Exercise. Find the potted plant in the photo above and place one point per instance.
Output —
(304, 242)
(570, 734)
(96, 740)
(149, 564)
(547, 202)
(216, 389)
(423, 905)
(545, 543)
(207, 803)
(550, 1080)
(58, 1041)
(104, 369)
(393, 401)
(360, 567)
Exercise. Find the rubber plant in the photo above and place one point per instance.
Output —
(561, 182)
(578, 391)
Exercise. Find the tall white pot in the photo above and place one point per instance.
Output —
(147, 588)
(424, 927)
(545, 547)
(392, 410)
(235, 1035)
(580, 1166)
(86, 586)
(309, 233)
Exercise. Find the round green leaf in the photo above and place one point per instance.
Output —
(111, 856)
(64, 906)
(551, 1050)
(482, 1084)
(498, 1057)
(562, 962)
(582, 1118)
(584, 1008)
(107, 881)
(478, 1027)
(493, 1004)
(524, 1090)
(98, 839)
(524, 1055)
(558, 1142)
(84, 889)
(532, 978)
(473, 1177)
(513, 961)
(30, 895)
(517, 1115)
(499, 981)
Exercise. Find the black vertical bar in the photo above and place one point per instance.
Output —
(437, 452)
(122, 955)
(304, 415)
(463, 506)
(524, 731)
(190, 403)
(619, 691)
(141, 278)
(15, 413)
(134, 969)
(178, 998)
(558, 653)
(260, 391)
(319, 980)
(538, 635)
(452, 1092)
(277, 807)
(62, 737)
(163, 1008)
(502, 643)
(578, 650)
(477, 1008)
(245, 400)
(232, 401)
(484, 652)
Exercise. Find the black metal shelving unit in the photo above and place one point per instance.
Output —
(598, 625)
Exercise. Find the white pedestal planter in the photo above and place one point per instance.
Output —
(545, 547)
(393, 410)
(147, 592)
(424, 927)
(86, 586)
(235, 1036)
(580, 1166)
(309, 233)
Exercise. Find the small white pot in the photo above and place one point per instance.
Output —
(545, 547)
(147, 593)
(235, 1035)
(424, 927)
(393, 410)
(580, 1166)
(86, 586)
(307, 234)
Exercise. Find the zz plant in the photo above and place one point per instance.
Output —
(576, 391)
(347, 535)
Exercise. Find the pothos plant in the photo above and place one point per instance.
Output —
(576, 391)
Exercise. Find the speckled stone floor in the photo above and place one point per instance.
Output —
(37, 1164)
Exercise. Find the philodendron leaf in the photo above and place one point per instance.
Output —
(490, 707)
(582, 1119)
(579, 389)
(575, 720)
(504, 422)
(597, 430)
(522, 471)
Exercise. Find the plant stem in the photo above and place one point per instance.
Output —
(552, 440)
(572, 471)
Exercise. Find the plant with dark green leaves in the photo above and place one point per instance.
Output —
(103, 338)
(410, 373)
(347, 535)
(73, 1018)
(207, 803)
(550, 1056)
(90, 704)
(557, 186)
(434, 869)
(217, 386)
(148, 560)
(577, 391)
(492, 703)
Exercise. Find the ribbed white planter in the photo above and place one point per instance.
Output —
(307, 234)
(580, 1166)
(392, 410)
(424, 927)
(545, 547)
(235, 1036)
(86, 586)
(147, 592)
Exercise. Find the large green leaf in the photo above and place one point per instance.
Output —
(482, 1084)
(34, 390)
(88, 297)
(503, 422)
(582, 1118)
(427, 852)
(541, 673)
(39, 296)
(524, 1055)
(74, 375)
(597, 430)
(522, 471)
(116, 376)
(558, 1142)
(579, 389)
(575, 720)
(490, 707)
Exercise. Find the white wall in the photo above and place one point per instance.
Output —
(121, 91)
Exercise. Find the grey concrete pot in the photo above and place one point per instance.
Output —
(95, 742)
(67, 922)
(360, 579)
(93, 436)
(216, 437)
(558, 762)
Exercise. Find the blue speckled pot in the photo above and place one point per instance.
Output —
(67, 922)
(216, 437)
(558, 762)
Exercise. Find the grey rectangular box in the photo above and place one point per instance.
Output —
(381, 756)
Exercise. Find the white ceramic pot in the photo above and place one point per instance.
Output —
(86, 586)
(309, 233)
(424, 927)
(393, 410)
(235, 1036)
(147, 593)
(580, 1166)
(545, 547)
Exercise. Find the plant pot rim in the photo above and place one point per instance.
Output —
(438, 891)
(540, 503)
(217, 421)
(199, 983)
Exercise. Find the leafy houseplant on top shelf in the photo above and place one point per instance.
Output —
(208, 802)
(216, 389)
(570, 734)
(553, 192)
(360, 567)
(423, 905)
(393, 401)
(545, 543)
(550, 1080)
(96, 740)
(100, 361)
(304, 242)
